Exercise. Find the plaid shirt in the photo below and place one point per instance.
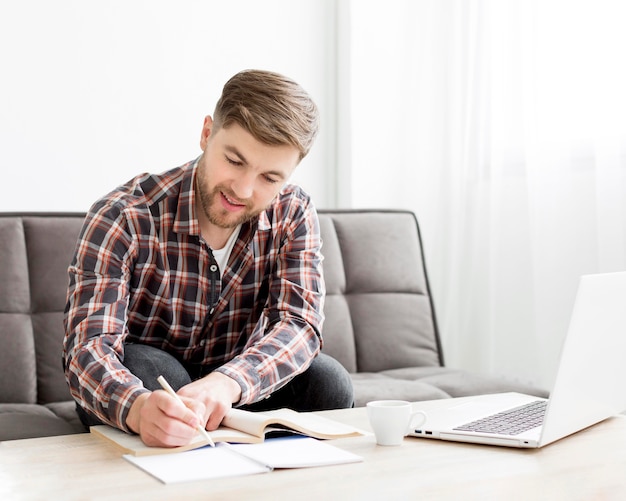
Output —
(143, 274)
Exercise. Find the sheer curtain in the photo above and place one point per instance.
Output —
(502, 124)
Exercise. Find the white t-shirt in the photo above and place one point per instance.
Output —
(222, 255)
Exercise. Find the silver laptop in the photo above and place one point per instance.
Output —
(590, 384)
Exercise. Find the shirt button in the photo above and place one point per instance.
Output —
(213, 268)
(211, 311)
(203, 342)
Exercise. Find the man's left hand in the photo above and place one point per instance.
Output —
(217, 392)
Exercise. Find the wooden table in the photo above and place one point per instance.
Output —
(590, 465)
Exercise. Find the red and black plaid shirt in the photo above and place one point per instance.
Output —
(142, 273)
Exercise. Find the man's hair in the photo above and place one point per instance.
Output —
(271, 107)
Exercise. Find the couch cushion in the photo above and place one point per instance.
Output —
(394, 331)
(460, 383)
(378, 309)
(338, 333)
(381, 252)
(375, 386)
(17, 359)
(67, 412)
(35, 251)
(50, 243)
(17, 353)
(48, 331)
(14, 291)
(19, 421)
(334, 272)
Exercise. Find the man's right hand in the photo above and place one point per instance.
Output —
(161, 421)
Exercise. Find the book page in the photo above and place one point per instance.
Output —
(199, 464)
(307, 423)
(223, 434)
(253, 423)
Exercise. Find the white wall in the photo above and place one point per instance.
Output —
(502, 125)
(95, 92)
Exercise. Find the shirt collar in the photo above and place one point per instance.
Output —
(186, 220)
(263, 222)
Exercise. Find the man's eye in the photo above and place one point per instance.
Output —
(232, 161)
(270, 179)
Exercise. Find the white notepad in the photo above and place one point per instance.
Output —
(226, 460)
(198, 464)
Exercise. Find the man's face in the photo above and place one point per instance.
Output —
(238, 176)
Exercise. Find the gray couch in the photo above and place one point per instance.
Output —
(380, 322)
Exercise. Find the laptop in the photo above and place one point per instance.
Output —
(590, 384)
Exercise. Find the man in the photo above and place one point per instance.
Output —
(208, 274)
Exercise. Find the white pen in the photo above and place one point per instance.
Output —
(166, 386)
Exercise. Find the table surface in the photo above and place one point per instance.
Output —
(586, 466)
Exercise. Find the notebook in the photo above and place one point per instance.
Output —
(589, 385)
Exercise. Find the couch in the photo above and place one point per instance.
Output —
(380, 320)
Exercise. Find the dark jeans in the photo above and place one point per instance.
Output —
(324, 385)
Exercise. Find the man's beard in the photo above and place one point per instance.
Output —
(211, 206)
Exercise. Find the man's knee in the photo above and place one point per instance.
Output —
(331, 383)
(148, 363)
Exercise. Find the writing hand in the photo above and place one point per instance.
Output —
(161, 420)
(217, 393)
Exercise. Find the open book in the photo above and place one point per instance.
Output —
(239, 426)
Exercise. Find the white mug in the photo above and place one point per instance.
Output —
(392, 420)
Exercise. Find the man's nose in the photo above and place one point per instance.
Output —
(243, 186)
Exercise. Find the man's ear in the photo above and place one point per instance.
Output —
(207, 127)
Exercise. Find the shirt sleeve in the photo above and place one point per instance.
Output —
(94, 319)
(288, 336)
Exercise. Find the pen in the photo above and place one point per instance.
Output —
(166, 386)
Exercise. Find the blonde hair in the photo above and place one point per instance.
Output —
(271, 107)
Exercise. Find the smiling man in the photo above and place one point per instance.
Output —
(208, 274)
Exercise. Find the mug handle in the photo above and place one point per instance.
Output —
(414, 422)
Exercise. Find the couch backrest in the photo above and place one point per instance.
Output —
(35, 251)
(379, 311)
(378, 308)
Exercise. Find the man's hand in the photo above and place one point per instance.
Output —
(161, 421)
(217, 393)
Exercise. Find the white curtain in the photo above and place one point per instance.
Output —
(502, 124)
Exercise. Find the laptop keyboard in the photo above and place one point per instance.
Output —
(511, 422)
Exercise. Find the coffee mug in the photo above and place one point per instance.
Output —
(392, 420)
